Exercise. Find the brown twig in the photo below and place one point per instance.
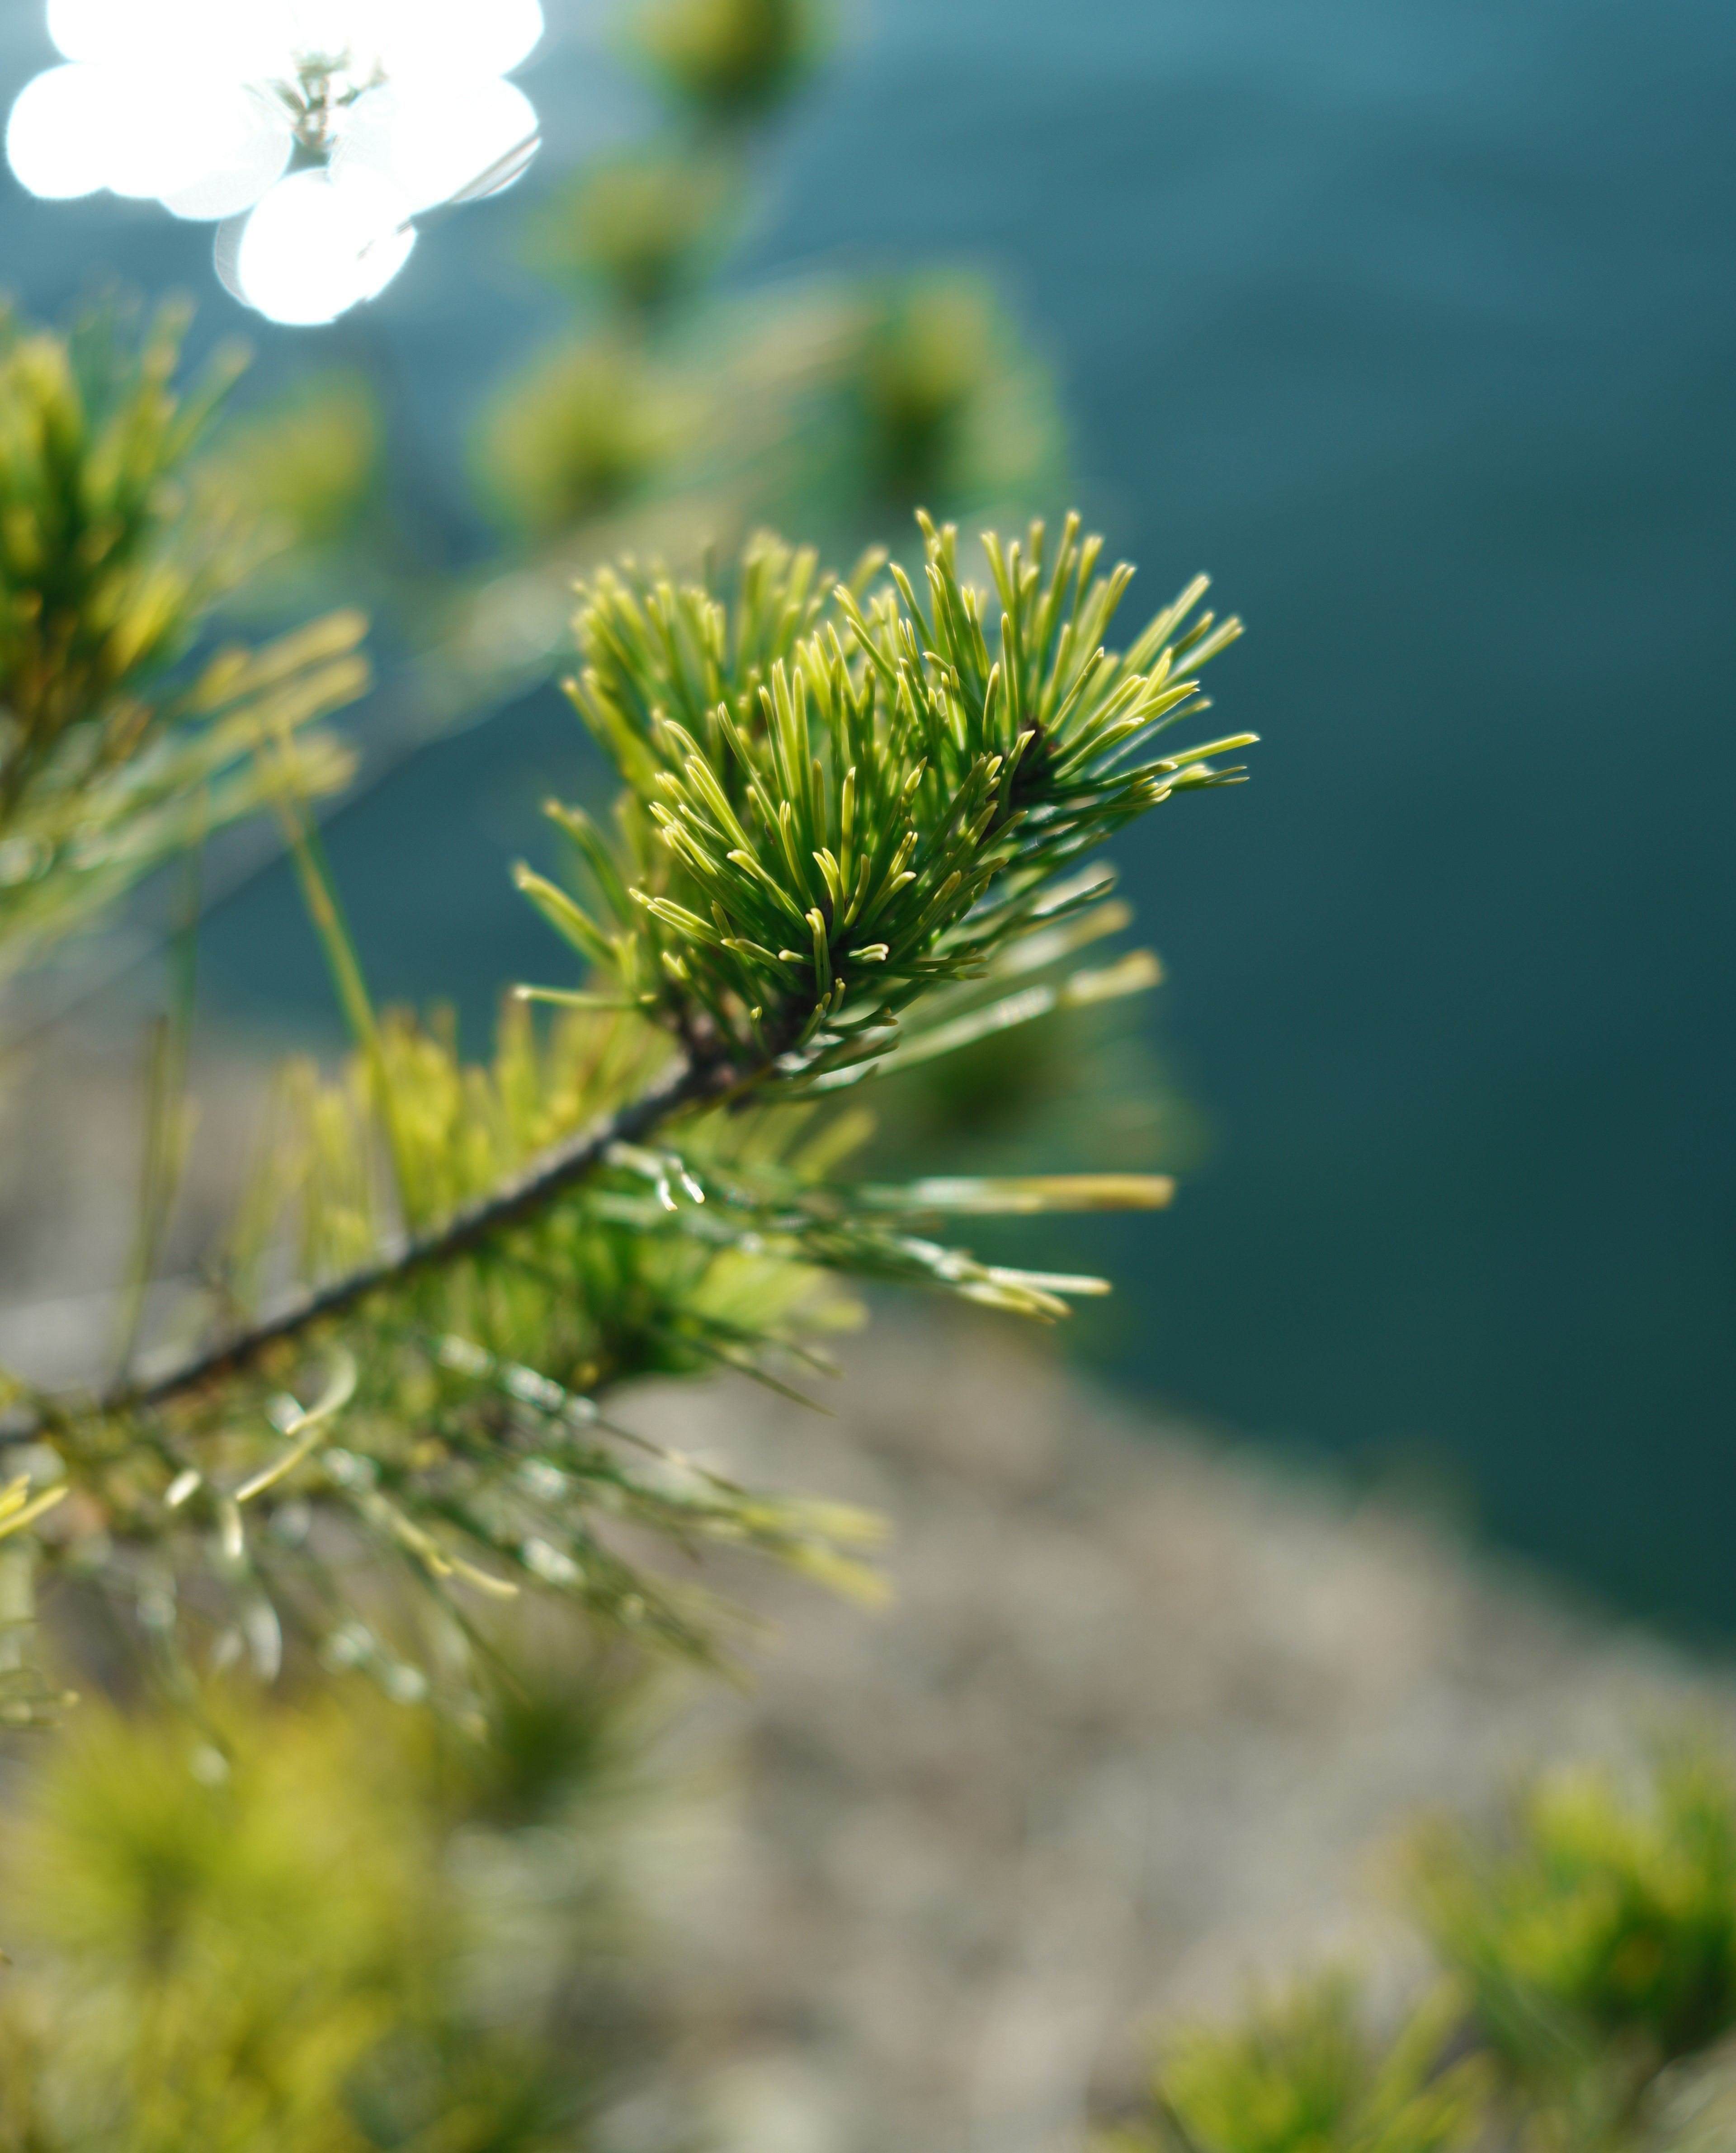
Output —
(684, 1083)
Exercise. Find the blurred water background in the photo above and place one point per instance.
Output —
(1416, 328)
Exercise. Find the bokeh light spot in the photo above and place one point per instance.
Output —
(317, 245)
(61, 129)
(390, 107)
(436, 139)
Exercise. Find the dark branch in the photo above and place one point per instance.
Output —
(526, 1193)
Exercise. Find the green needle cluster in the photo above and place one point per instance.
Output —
(841, 803)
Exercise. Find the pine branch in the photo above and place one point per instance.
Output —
(850, 840)
(684, 1084)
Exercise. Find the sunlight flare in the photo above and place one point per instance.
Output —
(312, 131)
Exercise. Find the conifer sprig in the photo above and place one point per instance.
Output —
(838, 804)
(851, 840)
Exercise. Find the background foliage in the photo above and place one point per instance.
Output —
(339, 1926)
(1587, 1943)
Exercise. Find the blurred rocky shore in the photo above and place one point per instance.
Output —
(1138, 1730)
(1141, 1718)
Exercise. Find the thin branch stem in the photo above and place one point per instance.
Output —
(684, 1084)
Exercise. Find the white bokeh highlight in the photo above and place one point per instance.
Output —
(60, 131)
(328, 125)
(316, 246)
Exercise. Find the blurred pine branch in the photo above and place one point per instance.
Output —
(1588, 1942)
(332, 1925)
(121, 744)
